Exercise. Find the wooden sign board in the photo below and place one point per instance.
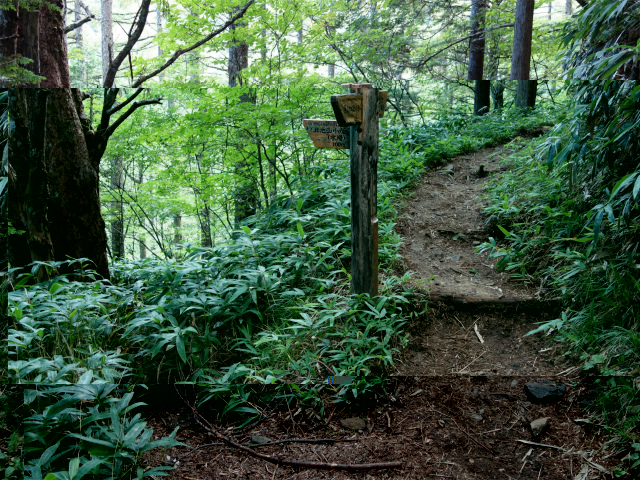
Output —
(327, 133)
(347, 108)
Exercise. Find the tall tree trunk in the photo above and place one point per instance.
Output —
(177, 228)
(477, 42)
(497, 93)
(245, 196)
(106, 22)
(193, 59)
(550, 9)
(523, 31)
(39, 36)
(142, 242)
(526, 92)
(481, 97)
(568, 8)
(159, 30)
(238, 58)
(71, 159)
(159, 27)
(29, 188)
(117, 223)
(79, 37)
(493, 47)
(32, 40)
(205, 226)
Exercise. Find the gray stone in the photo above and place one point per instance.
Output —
(260, 440)
(545, 392)
(477, 418)
(354, 423)
(514, 383)
(539, 425)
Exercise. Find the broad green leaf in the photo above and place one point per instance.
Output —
(181, 349)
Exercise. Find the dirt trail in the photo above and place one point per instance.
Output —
(470, 427)
(441, 225)
(456, 408)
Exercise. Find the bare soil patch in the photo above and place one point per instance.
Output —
(443, 222)
(444, 342)
(441, 225)
(459, 427)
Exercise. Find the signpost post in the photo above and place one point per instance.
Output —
(356, 127)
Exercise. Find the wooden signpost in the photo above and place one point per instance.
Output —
(356, 128)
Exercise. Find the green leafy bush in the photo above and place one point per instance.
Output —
(93, 426)
(568, 211)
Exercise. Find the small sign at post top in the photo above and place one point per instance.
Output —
(348, 108)
(327, 133)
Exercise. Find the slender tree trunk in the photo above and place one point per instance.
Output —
(526, 93)
(205, 226)
(245, 196)
(39, 36)
(177, 228)
(106, 22)
(477, 42)
(159, 30)
(71, 159)
(497, 93)
(550, 9)
(79, 37)
(117, 223)
(238, 58)
(568, 9)
(522, 35)
(193, 60)
(482, 97)
(159, 27)
(142, 242)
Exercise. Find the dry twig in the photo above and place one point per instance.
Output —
(286, 462)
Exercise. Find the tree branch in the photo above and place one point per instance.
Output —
(421, 63)
(139, 22)
(132, 108)
(291, 463)
(73, 26)
(120, 106)
(178, 53)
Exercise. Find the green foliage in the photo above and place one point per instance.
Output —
(568, 213)
(602, 41)
(11, 433)
(93, 425)
(13, 72)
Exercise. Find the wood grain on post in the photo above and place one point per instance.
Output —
(364, 179)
